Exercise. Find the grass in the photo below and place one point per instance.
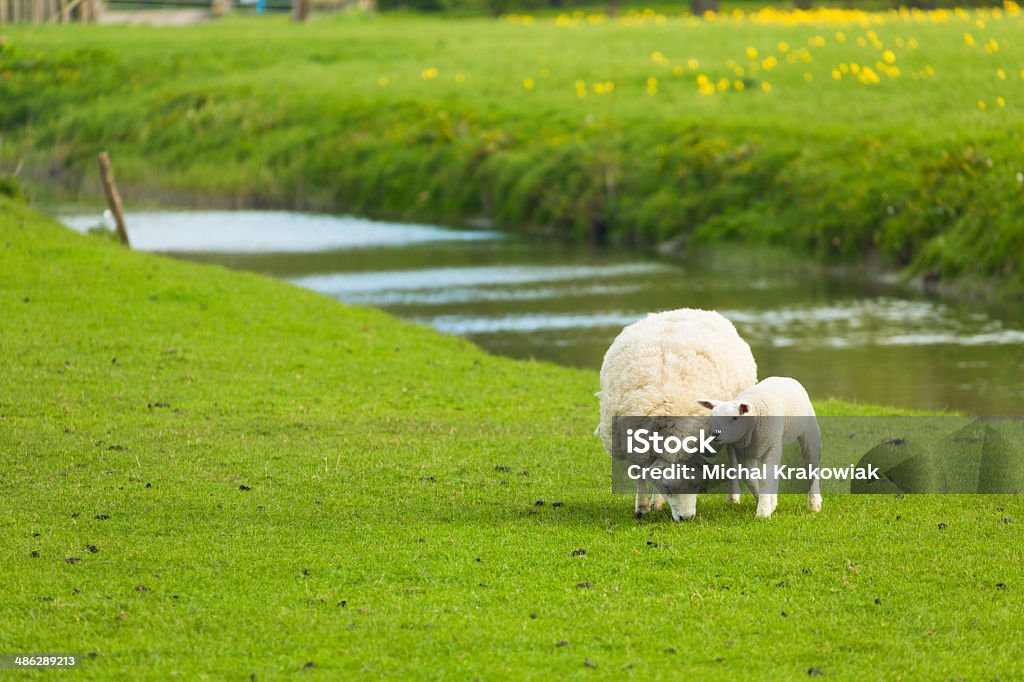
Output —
(274, 483)
(587, 128)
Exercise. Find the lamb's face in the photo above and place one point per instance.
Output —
(727, 420)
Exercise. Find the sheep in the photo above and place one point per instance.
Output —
(660, 366)
(757, 424)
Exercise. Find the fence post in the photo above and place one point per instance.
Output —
(113, 196)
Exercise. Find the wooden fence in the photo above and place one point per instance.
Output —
(47, 11)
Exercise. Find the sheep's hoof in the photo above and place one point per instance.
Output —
(814, 503)
(639, 514)
(659, 501)
(683, 518)
(732, 499)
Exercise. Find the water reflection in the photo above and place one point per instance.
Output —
(857, 341)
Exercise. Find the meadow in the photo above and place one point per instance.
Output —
(889, 139)
(215, 475)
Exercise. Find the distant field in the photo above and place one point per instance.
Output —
(892, 137)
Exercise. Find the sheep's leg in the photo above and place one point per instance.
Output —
(643, 499)
(684, 507)
(659, 501)
(733, 483)
(810, 446)
(769, 499)
(754, 486)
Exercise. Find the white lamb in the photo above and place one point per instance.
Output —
(660, 366)
(757, 424)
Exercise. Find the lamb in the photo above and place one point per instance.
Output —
(757, 424)
(660, 366)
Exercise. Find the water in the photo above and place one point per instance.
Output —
(532, 299)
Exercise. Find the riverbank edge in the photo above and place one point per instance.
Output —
(81, 188)
(64, 242)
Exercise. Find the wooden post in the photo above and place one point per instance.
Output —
(113, 197)
(3, 12)
(300, 10)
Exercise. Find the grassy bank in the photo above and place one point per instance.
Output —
(891, 138)
(208, 472)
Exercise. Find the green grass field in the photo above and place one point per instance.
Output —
(889, 138)
(210, 474)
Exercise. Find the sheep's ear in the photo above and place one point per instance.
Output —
(744, 408)
(709, 404)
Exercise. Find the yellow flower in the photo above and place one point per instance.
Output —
(739, 85)
(992, 46)
(1001, 74)
(428, 74)
(677, 70)
(981, 104)
(969, 39)
(840, 37)
(767, 87)
(692, 64)
(545, 72)
(808, 77)
(912, 43)
(1000, 101)
(769, 63)
(738, 71)
(652, 86)
(783, 47)
(836, 74)
(460, 78)
(528, 84)
(751, 53)
(889, 57)
(723, 84)
(383, 81)
(704, 80)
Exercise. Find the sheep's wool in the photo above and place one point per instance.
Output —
(663, 364)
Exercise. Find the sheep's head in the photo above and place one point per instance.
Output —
(726, 421)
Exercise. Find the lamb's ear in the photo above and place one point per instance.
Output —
(709, 404)
(744, 408)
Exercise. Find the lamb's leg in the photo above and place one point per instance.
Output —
(659, 501)
(684, 507)
(643, 499)
(769, 499)
(810, 446)
(733, 484)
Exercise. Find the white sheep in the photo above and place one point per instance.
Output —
(660, 366)
(757, 424)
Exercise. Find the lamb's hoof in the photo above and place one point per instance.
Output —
(814, 503)
(732, 499)
(659, 501)
(638, 514)
(683, 518)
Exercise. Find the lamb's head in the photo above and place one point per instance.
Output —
(729, 419)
